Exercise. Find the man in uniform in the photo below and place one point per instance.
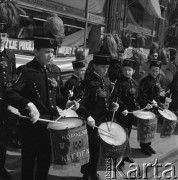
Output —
(36, 93)
(7, 70)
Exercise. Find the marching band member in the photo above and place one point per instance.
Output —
(149, 94)
(126, 89)
(97, 101)
(7, 70)
(75, 84)
(36, 93)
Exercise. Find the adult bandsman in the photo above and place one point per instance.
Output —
(7, 72)
(36, 94)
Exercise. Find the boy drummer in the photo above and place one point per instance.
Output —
(149, 93)
(97, 101)
(75, 83)
(126, 89)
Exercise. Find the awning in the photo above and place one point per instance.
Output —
(152, 7)
(94, 6)
(75, 39)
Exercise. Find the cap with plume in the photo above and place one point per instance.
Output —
(10, 12)
(164, 55)
(127, 39)
(155, 45)
(109, 46)
(80, 59)
(54, 27)
(79, 54)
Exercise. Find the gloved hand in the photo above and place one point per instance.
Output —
(72, 103)
(125, 112)
(91, 122)
(168, 100)
(115, 106)
(162, 93)
(149, 106)
(71, 93)
(33, 112)
(155, 104)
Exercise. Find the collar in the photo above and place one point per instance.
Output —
(98, 74)
(75, 76)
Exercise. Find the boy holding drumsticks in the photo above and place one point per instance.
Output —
(149, 92)
(97, 101)
(126, 89)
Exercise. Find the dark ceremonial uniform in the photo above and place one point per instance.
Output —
(149, 90)
(98, 107)
(75, 84)
(7, 75)
(40, 86)
(127, 91)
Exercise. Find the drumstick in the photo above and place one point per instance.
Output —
(142, 109)
(104, 130)
(157, 105)
(66, 110)
(113, 116)
(106, 135)
(44, 120)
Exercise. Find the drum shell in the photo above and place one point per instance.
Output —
(168, 127)
(113, 151)
(70, 145)
(146, 130)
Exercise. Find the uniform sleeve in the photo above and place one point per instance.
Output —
(14, 94)
(144, 98)
(116, 96)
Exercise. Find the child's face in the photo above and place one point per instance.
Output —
(154, 71)
(44, 55)
(80, 72)
(101, 69)
(128, 71)
(154, 56)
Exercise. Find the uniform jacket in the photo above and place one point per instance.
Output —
(97, 106)
(37, 85)
(149, 89)
(7, 70)
(75, 84)
(127, 91)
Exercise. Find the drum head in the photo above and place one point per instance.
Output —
(144, 114)
(69, 124)
(116, 130)
(168, 114)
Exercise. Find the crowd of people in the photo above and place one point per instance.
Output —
(106, 86)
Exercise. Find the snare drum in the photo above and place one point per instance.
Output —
(146, 126)
(69, 141)
(169, 122)
(113, 146)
